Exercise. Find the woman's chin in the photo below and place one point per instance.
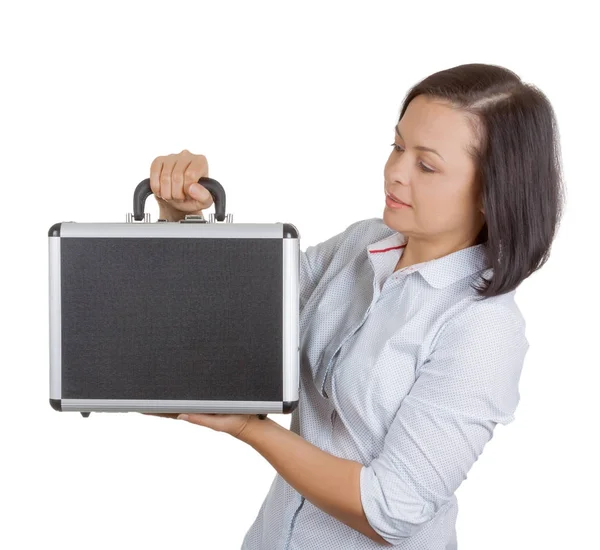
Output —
(397, 216)
(395, 221)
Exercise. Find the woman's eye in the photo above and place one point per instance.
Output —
(421, 165)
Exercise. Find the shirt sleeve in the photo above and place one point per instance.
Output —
(315, 261)
(467, 385)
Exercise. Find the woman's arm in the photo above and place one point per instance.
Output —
(329, 482)
(468, 384)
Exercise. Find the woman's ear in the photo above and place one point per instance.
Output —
(479, 195)
(480, 204)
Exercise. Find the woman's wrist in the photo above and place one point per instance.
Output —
(253, 427)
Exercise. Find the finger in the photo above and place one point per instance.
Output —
(202, 419)
(164, 415)
(155, 170)
(184, 159)
(165, 177)
(197, 169)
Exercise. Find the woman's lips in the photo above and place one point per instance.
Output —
(402, 203)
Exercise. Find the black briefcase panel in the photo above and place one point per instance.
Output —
(188, 316)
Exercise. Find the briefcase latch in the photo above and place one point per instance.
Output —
(199, 218)
(193, 218)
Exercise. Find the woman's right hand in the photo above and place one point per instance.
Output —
(174, 182)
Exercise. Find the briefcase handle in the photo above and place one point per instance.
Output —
(143, 191)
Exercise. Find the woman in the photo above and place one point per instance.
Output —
(412, 344)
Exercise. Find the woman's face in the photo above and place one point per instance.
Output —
(440, 188)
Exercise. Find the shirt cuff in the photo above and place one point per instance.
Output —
(393, 508)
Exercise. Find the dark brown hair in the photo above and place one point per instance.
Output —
(518, 165)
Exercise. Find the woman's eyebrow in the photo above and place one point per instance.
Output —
(421, 147)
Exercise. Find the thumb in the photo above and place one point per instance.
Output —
(196, 192)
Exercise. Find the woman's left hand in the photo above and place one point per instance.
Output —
(233, 424)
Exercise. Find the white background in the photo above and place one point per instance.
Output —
(293, 104)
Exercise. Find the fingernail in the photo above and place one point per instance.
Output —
(182, 417)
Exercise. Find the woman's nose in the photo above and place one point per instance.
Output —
(397, 171)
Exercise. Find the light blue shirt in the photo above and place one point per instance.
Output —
(404, 372)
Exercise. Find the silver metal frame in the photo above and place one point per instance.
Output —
(291, 342)
(291, 330)
(164, 405)
(55, 317)
(172, 229)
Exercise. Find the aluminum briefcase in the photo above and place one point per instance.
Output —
(187, 316)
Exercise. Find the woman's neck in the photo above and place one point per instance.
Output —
(410, 257)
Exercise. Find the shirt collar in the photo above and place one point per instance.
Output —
(439, 272)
